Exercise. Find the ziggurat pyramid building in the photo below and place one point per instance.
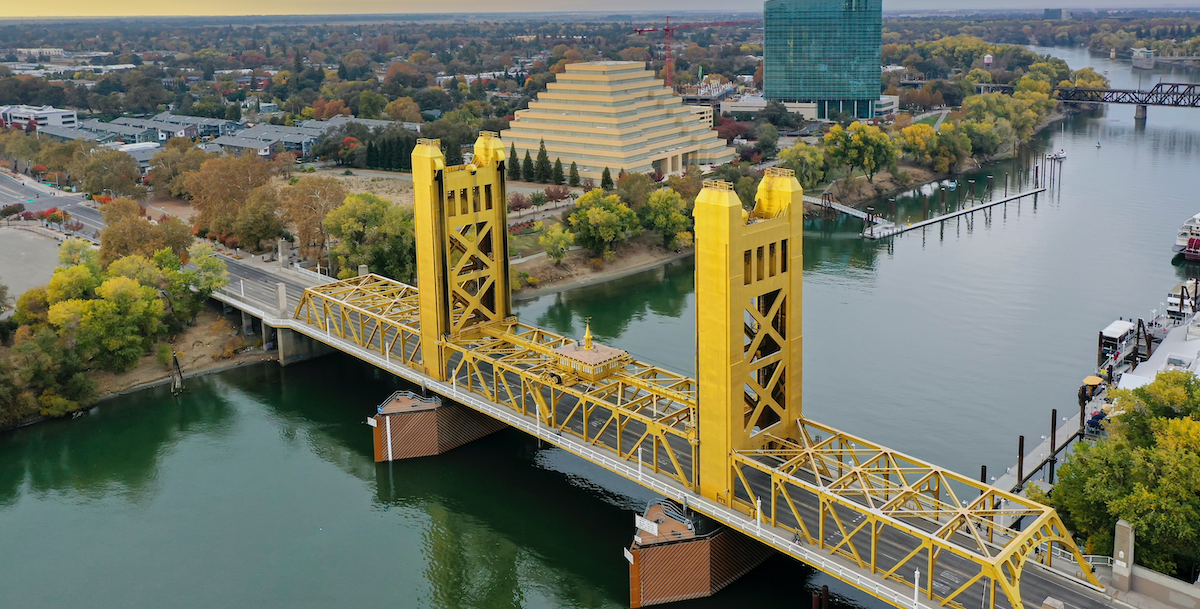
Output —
(616, 114)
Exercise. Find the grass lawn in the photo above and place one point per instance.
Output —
(928, 120)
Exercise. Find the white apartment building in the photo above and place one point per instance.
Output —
(44, 116)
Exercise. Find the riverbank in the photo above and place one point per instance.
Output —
(641, 254)
(209, 346)
(885, 184)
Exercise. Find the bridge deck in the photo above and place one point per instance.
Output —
(860, 512)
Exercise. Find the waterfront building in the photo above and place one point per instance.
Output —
(616, 114)
(824, 52)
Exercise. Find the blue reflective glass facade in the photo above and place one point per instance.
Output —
(823, 51)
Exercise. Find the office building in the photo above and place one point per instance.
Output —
(616, 114)
(824, 52)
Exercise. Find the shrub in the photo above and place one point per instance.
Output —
(533, 281)
(596, 264)
(347, 173)
(163, 355)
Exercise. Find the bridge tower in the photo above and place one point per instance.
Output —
(748, 322)
(461, 217)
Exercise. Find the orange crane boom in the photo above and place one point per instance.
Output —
(669, 30)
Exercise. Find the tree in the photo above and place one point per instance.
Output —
(527, 168)
(186, 289)
(556, 240)
(768, 140)
(666, 214)
(403, 109)
(176, 159)
(541, 169)
(71, 283)
(919, 140)
(775, 113)
(860, 146)
(634, 189)
(556, 175)
(128, 232)
(372, 231)
(370, 104)
(514, 164)
(606, 181)
(808, 162)
(688, 184)
(953, 147)
(233, 112)
(305, 205)
(573, 180)
(1143, 473)
(111, 170)
(601, 221)
(221, 188)
(260, 219)
(985, 140)
(32, 307)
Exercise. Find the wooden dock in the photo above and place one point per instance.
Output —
(880, 228)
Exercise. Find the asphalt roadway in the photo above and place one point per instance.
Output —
(37, 198)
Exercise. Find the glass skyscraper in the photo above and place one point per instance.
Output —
(823, 51)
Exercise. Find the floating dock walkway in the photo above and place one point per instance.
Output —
(879, 228)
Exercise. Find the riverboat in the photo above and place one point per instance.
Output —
(1187, 242)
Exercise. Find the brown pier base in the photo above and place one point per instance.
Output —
(672, 562)
(408, 426)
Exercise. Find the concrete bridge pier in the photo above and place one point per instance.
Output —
(678, 555)
(247, 323)
(295, 347)
(1139, 113)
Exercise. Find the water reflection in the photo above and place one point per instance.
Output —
(113, 451)
(664, 291)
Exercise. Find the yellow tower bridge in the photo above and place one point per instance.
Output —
(732, 444)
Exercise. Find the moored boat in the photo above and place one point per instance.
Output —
(1187, 241)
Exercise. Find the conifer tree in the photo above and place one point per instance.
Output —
(372, 155)
(606, 179)
(542, 170)
(527, 168)
(514, 163)
(573, 178)
(556, 176)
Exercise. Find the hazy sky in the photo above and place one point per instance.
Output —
(134, 8)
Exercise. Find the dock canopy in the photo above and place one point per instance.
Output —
(1118, 329)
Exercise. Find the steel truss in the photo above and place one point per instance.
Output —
(1180, 95)
(374, 312)
(895, 514)
(881, 509)
(640, 412)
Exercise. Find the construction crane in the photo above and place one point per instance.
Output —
(669, 30)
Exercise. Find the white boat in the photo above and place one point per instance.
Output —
(1188, 237)
(1057, 156)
